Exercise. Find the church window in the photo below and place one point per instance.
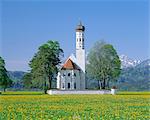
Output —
(68, 85)
(74, 85)
(64, 75)
(63, 85)
(68, 74)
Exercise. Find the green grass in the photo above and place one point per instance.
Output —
(133, 93)
(37, 106)
(21, 93)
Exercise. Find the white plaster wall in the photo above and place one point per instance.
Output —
(80, 56)
(82, 80)
(57, 92)
(78, 79)
(58, 80)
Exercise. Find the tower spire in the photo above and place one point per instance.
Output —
(80, 23)
(80, 50)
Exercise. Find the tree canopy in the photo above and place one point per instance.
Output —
(44, 64)
(103, 64)
(27, 80)
(4, 79)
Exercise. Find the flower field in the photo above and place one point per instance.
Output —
(74, 107)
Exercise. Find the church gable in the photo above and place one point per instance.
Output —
(70, 65)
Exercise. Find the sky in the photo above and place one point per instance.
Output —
(27, 24)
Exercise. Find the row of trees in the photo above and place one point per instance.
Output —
(103, 65)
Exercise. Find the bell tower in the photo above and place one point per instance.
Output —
(80, 50)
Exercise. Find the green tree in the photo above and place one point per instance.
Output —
(103, 64)
(27, 80)
(44, 64)
(5, 82)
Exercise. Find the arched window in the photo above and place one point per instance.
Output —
(63, 85)
(80, 39)
(68, 85)
(68, 74)
(74, 85)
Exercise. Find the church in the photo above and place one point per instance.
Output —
(71, 75)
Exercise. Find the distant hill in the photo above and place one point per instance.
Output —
(16, 77)
(136, 78)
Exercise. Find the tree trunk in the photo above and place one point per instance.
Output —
(50, 81)
(104, 83)
(108, 84)
(45, 87)
(99, 84)
(4, 89)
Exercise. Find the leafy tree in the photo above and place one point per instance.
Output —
(103, 64)
(4, 79)
(44, 64)
(27, 80)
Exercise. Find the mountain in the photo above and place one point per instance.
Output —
(16, 77)
(128, 62)
(136, 78)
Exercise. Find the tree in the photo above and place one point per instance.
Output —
(44, 64)
(27, 80)
(103, 64)
(4, 79)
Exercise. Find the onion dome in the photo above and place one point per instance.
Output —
(80, 27)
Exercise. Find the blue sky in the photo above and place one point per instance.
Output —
(25, 25)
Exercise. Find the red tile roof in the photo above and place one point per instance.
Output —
(69, 64)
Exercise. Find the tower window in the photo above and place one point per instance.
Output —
(80, 39)
(74, 74)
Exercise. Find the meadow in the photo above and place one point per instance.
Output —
(37, 106)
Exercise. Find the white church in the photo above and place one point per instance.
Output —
(71, 76)
(72, 73)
